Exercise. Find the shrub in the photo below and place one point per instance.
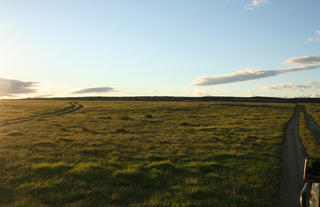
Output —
(148, 116)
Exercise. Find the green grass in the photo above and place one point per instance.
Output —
(314, 110)
(309, 142)
(117, 153)
(12, 109)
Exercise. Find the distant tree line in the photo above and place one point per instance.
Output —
(177, 98)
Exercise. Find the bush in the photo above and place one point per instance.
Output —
(148, 116)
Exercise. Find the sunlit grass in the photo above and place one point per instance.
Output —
(117, 153)
(314, 110)
(309, 142)
(12, 109)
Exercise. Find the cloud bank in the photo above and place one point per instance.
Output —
(245, 75)
(305, 60)
(10, 87)
(95, 90)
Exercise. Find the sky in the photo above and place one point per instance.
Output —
(59, 48)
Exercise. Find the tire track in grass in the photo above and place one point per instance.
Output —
(292, 163)
(74, 106)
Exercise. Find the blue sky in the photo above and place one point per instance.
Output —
(158, 47)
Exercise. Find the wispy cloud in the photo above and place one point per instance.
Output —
(309, 95)
(316, 38)
(10, 87)
(43, 96)
(246, 75)
(283, 86)
(305, 60)
(302, 87)
(304, 63)
(287, 86)
(95, 90)
(314, 83)
(256, 3)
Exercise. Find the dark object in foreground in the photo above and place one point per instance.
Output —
(309, 196)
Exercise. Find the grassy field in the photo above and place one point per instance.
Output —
(311, 145)
(11, 109)
(314, 110)
(118, 153)
(308, 141)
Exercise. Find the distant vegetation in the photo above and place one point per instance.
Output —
(181, 98)
(138, 153)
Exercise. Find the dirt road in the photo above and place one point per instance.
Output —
(292, 163)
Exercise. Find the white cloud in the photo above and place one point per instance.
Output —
(316, 38)
(287, 86)
(299, 91)
(309, 95)
(256, 3)
(250, 94)
(303, 87)
(313, 39)
(314, 83)
(10, 87)
(283, 86)
(95, 90)
(245, 75)
(198, 93)
(305, 60)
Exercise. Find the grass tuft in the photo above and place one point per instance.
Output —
(15, 133)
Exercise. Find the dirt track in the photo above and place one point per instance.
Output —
(74, 106)
(292, 163)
